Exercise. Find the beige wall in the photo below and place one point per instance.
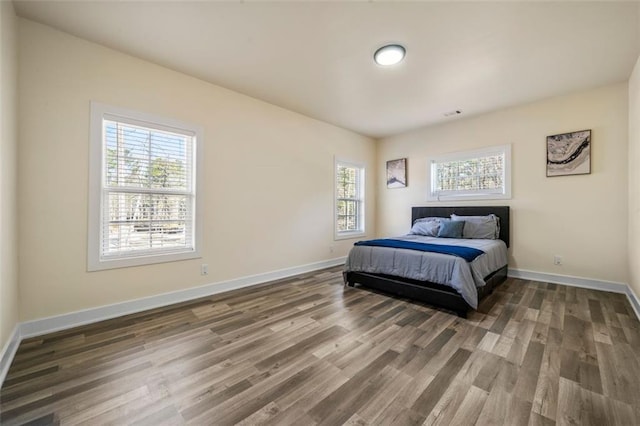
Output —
(8, 148)
(634, 179)
(268, 190)
(581, 218)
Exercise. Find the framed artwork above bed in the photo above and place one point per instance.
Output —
(569, 154)
(397, 173)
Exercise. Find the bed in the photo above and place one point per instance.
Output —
(455, 292)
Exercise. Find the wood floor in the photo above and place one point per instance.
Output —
(308, 351)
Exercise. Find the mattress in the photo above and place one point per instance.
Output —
(455, 272)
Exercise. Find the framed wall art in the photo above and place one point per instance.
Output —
(397, 173)
(569, 154)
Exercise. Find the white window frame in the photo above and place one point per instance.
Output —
(99, 113)
(343, 235)
(499, 194)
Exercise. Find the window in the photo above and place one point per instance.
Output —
(473, 175)
(349, 219)
(143, 200)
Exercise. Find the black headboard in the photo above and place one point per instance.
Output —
(501, 211)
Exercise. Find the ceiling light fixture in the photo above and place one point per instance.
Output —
(390, 54)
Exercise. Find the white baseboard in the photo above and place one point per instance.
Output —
(8, 352)
(569, 280)
(634, 300)
(612, 286)
(88, 316)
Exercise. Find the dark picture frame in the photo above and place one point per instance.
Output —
(397, 173)
(569, 154)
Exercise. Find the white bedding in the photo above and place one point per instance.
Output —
(438, 268)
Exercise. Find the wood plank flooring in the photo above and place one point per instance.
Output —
(309, 351)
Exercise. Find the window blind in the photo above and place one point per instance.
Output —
(349, 202)
(482, 174)
(148, 189)
(475, 174)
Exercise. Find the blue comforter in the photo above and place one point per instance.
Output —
(467, 253)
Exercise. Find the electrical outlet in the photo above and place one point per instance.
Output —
(330, 249)
(204, 269)
(557, 260)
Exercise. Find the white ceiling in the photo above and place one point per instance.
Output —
(316, 58)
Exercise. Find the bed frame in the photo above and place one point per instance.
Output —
(432, 293)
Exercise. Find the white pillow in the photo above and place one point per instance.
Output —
(428, 228)
(431, 219)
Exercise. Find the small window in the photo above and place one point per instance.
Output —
(349, 211)
(473, 175)
(144, 189)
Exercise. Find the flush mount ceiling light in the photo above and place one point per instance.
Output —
(390, 54)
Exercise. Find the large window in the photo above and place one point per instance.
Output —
(473, 175)
(143, 192)
(349, 209)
